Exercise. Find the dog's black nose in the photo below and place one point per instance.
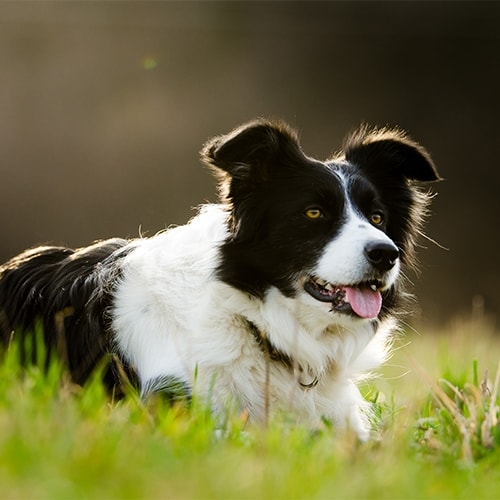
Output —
(382, 255)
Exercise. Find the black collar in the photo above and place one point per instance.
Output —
(272, 353)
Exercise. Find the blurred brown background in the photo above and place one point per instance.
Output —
(105, 105)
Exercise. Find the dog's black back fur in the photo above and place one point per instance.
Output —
(61, 292)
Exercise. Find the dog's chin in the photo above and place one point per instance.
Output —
(361, 300)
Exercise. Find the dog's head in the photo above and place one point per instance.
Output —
(332, 234)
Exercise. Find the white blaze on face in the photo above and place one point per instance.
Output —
(343, 261)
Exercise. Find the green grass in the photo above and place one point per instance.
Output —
(439, 436)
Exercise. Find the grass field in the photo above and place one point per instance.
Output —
(438, 436)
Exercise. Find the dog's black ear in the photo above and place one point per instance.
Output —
(391, 151)
(247, 152)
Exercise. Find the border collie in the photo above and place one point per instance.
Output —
(282, 296)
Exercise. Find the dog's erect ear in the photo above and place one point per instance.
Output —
(391, 151)
(248, 151)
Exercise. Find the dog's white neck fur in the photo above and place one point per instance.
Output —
(173, 318)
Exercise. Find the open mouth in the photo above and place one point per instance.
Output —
(363, 299)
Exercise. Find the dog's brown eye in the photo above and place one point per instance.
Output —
(376, 218)
(313, 213)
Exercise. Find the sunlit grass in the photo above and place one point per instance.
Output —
(439, 436)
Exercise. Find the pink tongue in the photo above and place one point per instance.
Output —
(364, 302)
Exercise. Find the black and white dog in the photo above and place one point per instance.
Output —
(280, 297)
